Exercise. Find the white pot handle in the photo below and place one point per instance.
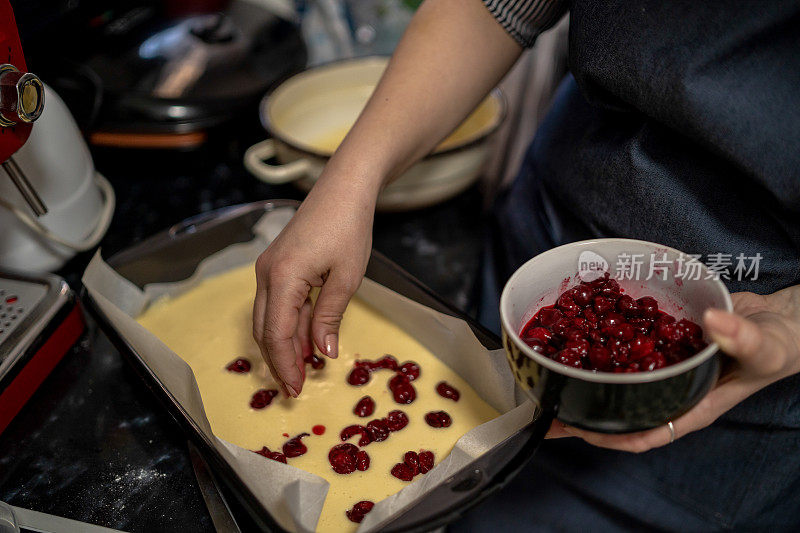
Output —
(275, 174)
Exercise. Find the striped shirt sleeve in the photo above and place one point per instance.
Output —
(524, 20)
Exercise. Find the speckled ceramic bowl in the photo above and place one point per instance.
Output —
(604, 401)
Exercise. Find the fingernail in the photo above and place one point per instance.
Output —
(332, 345)
(294, 392)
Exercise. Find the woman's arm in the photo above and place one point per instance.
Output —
(450, 57)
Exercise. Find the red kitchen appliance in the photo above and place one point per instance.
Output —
(39, 317)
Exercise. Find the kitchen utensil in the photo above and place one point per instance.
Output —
(604, 401)
(80, 202)
(174, 255)
(221, 516)
(15, 519)
(39, 323)
(309, 114)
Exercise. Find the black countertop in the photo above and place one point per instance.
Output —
(93, 444)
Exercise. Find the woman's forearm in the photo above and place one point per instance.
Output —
(452, 54)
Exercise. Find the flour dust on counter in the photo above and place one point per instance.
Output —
(368, 422)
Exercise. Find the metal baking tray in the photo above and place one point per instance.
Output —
(174, 254)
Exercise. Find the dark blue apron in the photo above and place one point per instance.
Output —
(681, 126)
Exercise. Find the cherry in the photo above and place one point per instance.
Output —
(359, 510)
(275, 456)
(402, 472)
(642, 325)
(568, 305)
(438, 419)
(603, 305)
(641, 346)
(343, 458)
(549, 316)
(425, 461)
(316, 362)
(411, 459)
(579, 347)
(627, 306)
(240, 366)
(294, 447)
(689, 329)
(600, 357)
(669, 333)
(358, 376)
(378, 430)
(611, 319)
(387, 362)
(445, 390)
(356, 429)
(539, 333)
(402, 390)
(653, 361)
(365, 407)
(410, 369)
(569, 358)
(583, 295)
(319, 429)
(262, 398)
(362, 460)
(396, 420)
(648, 306)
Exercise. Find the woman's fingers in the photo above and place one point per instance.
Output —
(728, 392)
(329, 309)
(280, 296)
(304, 329)
(754, 341)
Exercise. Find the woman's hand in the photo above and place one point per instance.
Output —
(326, 244)
(762, 337)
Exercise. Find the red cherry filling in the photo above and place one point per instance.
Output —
(413, 463)
(410, 369)
(378, 430)
(595, 327)
(316, 362)
(402, 472)
(425, 461)
(275, 456)
(362, 460)
(319, 429)
(396, 420)
(359, 510)
(365, 407)
(402, 390)
(356, 429)
(240, 366)
(262, 398)
(438, 419)
(358, 376)
(344, 458)
(445, 390)
(294, 447)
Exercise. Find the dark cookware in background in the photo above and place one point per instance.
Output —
(158, 75)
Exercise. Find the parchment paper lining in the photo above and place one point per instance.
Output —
(295, 497)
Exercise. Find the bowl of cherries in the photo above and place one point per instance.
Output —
(605, 334)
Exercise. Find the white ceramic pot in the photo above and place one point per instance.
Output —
(310, 113)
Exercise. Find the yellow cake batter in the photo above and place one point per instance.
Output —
(211, 325)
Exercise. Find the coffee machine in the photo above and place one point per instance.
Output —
(40, 319)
